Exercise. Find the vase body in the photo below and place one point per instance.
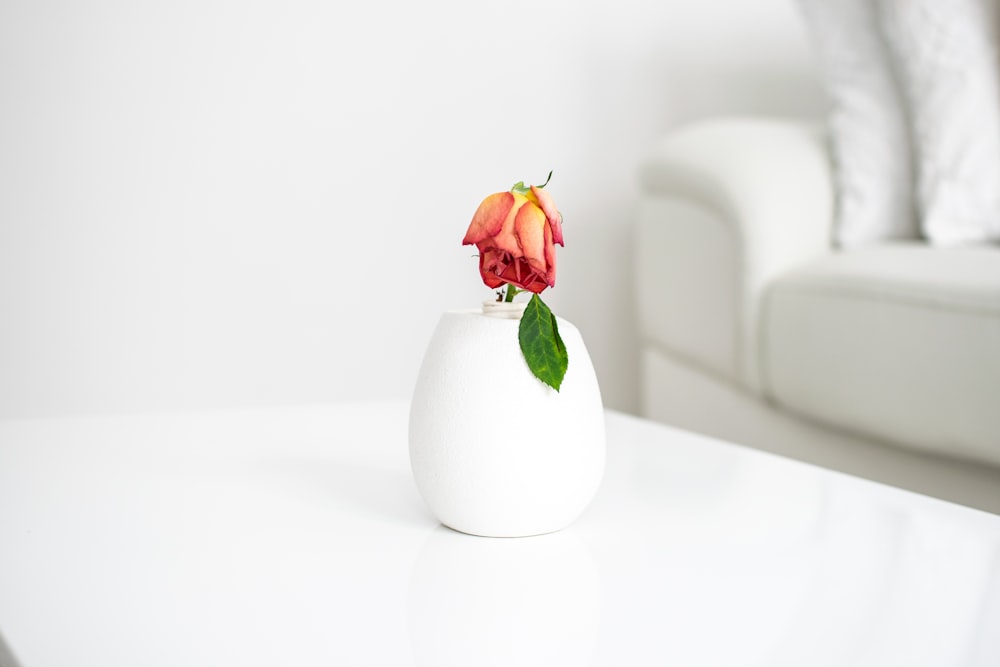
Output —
(494, 451)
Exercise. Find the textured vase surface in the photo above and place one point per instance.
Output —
(494, 451)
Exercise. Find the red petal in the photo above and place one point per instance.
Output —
(520, 274)
(488, 260)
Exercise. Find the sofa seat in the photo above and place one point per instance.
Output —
(881, 361)
(897, 342)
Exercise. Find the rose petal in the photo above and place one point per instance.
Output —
(489, 217)
(530, 229)
(521, 274)
(488, 261)
(552, 214)
(507, 238)
(550, 258)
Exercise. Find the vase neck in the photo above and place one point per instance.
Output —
(504, 310)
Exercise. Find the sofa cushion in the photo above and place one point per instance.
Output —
(869, 130)
(945, 53)
(898, 342)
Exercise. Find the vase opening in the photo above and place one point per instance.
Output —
(512, 310)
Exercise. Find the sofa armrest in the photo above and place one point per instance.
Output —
(726, 205)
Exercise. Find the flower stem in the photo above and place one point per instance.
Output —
(511, 293)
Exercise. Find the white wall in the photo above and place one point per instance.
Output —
(216, 203)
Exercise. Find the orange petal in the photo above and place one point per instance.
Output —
(550, 258)
(507, 238)
(530, 229)
(489, 217)
(552, 214)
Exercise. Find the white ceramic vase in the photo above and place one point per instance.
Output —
(494, 451)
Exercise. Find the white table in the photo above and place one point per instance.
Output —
(296, 537)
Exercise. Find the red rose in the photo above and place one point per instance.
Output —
(516, 236)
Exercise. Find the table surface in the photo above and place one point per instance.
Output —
(297, 537)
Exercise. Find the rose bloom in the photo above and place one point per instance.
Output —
(516, 236)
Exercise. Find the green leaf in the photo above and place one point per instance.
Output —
(541, 344)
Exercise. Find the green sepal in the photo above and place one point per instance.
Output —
(520, 188)
(541, 345)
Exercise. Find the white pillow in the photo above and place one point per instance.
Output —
(868, 126)
(946, 57)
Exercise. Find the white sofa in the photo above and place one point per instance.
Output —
(881, 361)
